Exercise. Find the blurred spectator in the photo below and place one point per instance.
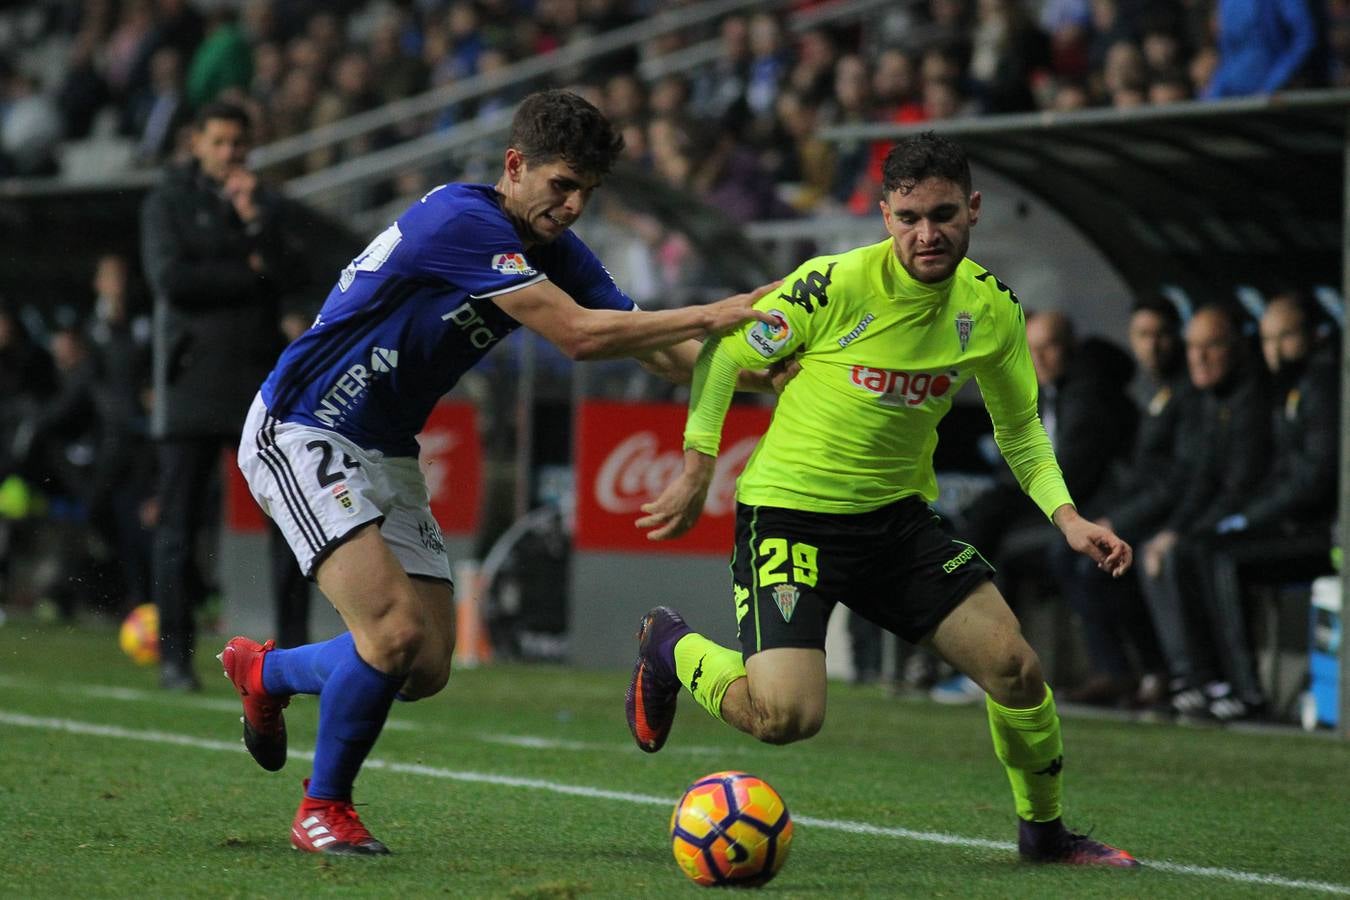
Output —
(83, 91)
(1264, 46)
(30, 128)
(155, 116)
(721, 85)
(1222, 451)
(224, 60)
(351, 92)
(806, 164)
(1078, 379)
(812, 74)
(1125, 664)
(851, 105)
(1007, 53)
(1169, 88)
(395, 73)
(123, 477)
(1283, 529)
(219, 259)
(27, 378)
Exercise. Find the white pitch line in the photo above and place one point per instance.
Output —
(70, 726)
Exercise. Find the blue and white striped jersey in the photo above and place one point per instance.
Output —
(413, 312)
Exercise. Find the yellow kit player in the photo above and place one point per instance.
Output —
(833, 507)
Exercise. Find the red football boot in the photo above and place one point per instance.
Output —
(264, 725)
(332, 826)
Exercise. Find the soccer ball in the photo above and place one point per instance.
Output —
(139, 637)
(730, 829)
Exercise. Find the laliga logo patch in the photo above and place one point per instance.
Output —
(769, 339)
(512, 264)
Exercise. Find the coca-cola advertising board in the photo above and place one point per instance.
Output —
(451, 459)
(628, 452)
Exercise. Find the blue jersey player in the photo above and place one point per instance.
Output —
(329, 447)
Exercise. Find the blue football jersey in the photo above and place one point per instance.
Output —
(413, 312)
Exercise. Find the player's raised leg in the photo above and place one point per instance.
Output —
(778, 696)
(982, 638)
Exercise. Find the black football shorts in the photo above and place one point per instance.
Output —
(899, 566)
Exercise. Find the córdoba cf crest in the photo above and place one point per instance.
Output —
(964, 323)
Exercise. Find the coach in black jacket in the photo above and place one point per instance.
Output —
(216, 256)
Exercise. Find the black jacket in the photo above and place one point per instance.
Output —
(216, 320)
(1151, 484)
(1300, 489)
(1223, 451)
(1094, 421)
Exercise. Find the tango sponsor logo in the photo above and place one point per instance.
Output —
(857, 330)
(637, 471)
(902, 388)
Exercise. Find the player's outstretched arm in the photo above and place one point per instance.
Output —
(680, 504)
(583, 333)
(676, 364)
(1111, 554)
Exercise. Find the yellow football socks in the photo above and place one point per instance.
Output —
(1029, 744)
(707, 669)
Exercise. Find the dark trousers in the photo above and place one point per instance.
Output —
(1117, 628)
(1219, 565)
(188, 469)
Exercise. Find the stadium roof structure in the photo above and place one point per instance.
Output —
(1211, 197)
(1197, 200)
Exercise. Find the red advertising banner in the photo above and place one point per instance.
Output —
(451, 461)
(627, 453)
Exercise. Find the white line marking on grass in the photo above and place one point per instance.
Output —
(931, 837)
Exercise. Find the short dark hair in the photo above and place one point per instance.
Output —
(926, 155)
(220, 109)
(557, 124)
(1161, 307)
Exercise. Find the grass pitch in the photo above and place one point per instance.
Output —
(522, 782)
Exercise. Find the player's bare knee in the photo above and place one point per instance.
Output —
(1015, 678)
(785, 725)
(426, 681)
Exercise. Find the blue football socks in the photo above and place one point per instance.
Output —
(303, 670)
(354, 701)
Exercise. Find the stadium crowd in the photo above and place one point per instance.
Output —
(734, 129)
(742, 132)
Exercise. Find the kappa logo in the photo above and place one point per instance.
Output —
(1056, 766)
(769, 339)
(512, 264)
(698, 673)
(857, 330)
(958, 560)
(382, 360)
(813, 287)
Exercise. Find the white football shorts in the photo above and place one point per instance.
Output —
(320, 488)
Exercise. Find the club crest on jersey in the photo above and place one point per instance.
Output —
(786, 597)
(512, 264)
(769, 339)
(964, 323)
(344, 498)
